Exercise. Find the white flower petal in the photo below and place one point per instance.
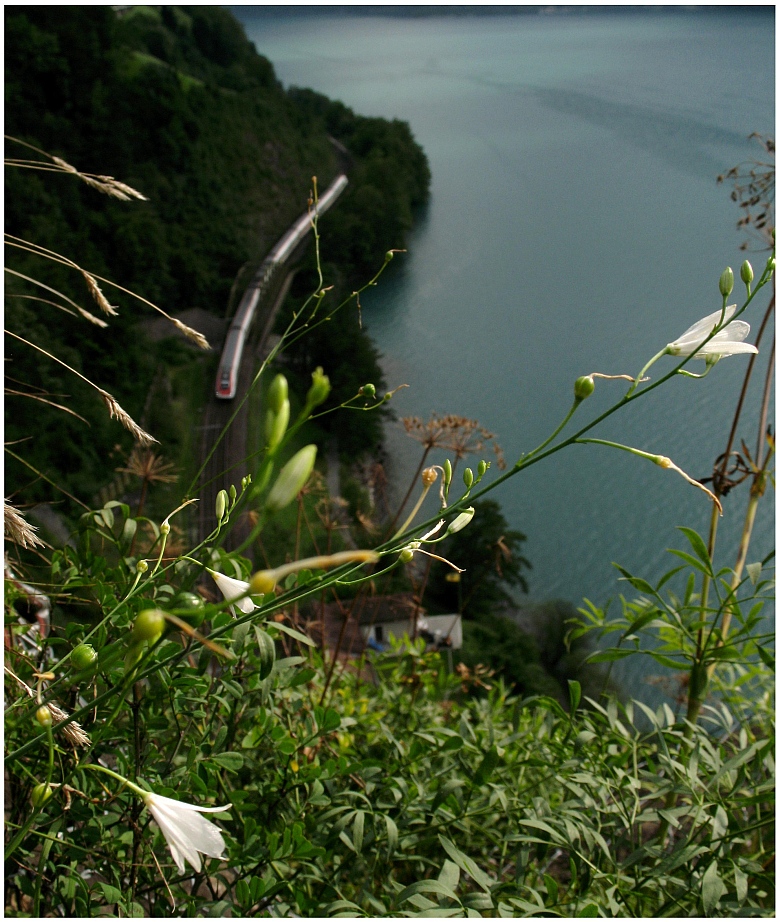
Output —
(186, 831)
(233, 588)
(728, 341)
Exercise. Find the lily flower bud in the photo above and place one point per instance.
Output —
(481, 468)
(292, 479)
(468, 477)
(319, 390)
(276, 422)
(461, 521)
(220, 505)
(584, 387)
(277, 393)
(726, 283)
(746, 272)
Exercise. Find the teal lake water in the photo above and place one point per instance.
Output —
(575, 226)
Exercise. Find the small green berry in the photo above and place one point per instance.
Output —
(43, 716)
(40, 794)
(406, 555)
(83, 656)
(148, 625)
(368, 390)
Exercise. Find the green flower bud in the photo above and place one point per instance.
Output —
(276, 422)
(746, 272)
(584, 387)
(40, 794)
(770, 264)
(319, 390)
(83, 656)
(141, 567)
(220, 506)
(292, 479)
(461, 521)
(726, 283)
(447, 477)
(232, 493)
(481, 468)
(468, 477)
(277, 393)
(149, 624)
(165, 528)
(43, 716)
(368, 390)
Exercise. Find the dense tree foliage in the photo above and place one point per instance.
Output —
(176, 102)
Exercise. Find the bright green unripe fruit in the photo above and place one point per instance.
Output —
(368, 390)
(584, 387)
(43, 716)
(190, 607)
(277, 393)
(40, 794)
(406, 555)
(746, 272)
(726, 283)
(148, 625)
(83, 656)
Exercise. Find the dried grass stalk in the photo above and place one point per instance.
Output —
(106, 184)
(198, 338)
(18, 529)
(116, 412)
(100, 299)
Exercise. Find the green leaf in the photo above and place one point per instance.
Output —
(766, 657)
(230, 761)
(486, 767)
(754, 571)
(426, 886)
(301, 638)
(589, 911)
(575, 693)
(357, 830)
(305, 675)
(466, 864)
(551, 885)
(111, 894)
(698, 546)
(392, 835)
(690, 560)
(712, 888)
(449, 874)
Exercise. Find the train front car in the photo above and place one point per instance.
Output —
(226, 388)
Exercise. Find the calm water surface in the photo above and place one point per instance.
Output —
(575, 225)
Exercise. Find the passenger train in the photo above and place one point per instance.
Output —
(232, 351)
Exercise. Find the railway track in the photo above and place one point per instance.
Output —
(246, 344)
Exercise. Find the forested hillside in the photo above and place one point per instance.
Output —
(177, 103)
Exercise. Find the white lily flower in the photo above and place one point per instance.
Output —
(728, 341)
(233, 589)
(187, 832)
